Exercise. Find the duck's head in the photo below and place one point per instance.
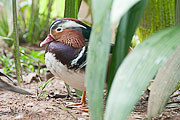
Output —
(69, 31)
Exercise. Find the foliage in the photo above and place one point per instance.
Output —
(7, 62)
(99, 47)
(132, 73)
(158, 15)
(29, 59)
(31, 20)
(72, 8)
(125, 32)
(42, 86)
(137, 69)
(31, 17)
(6, 21)
(166, 80)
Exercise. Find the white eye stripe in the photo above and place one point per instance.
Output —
(67, 24)
(70, 24)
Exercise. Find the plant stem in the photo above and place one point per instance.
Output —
(16, 42)
(72, 8)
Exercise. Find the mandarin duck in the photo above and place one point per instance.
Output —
(6, 86)
(66, 53)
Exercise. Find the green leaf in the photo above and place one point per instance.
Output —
(98, 51)
(119, 8)
(136, 71)
(58, 8)
(72, 8)
(125, 33)
(100, 8)
(165, 82)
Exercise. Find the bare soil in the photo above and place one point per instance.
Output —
(17, 106)
(23, 107)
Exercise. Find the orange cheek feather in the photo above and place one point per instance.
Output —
(71, 37)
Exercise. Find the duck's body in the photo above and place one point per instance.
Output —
(59, 58)
(66, 52)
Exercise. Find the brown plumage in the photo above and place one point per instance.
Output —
(69, 37)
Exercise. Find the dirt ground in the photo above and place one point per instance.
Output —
(17, 106)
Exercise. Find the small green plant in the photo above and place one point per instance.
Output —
(7, 62)
(30, 60)
(42, 87)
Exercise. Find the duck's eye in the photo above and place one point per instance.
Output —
(59, 29)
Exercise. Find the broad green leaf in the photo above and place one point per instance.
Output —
(119, 8)
(125, 33)
(98, 52)
(100, 8)
(159, 14)
(165, 82)
(136, 71)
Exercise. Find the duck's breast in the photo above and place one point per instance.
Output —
(57, 58)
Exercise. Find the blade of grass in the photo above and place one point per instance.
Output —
(16, 43)
(136, 71)
(164, 84)
(39, 93)
(46, 83)
(64, 108)
(124, 36)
